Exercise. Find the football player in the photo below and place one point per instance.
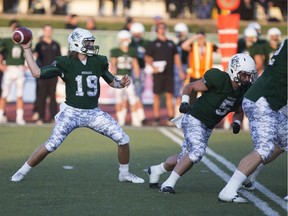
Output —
(81, 71)
(265, 105)
(222, 93)
(123, 61)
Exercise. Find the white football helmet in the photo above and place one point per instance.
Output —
(250, 32)
(77, 41)
(274, 32)
(181, 27)
(137, 28)
(241, 64)
(256, 26)
(124, 38)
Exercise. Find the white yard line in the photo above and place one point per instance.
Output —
(262, 205)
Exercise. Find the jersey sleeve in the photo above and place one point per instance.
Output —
(49, 72)
(106, 75)
(214, 78)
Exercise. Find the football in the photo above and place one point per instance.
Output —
(22, 35)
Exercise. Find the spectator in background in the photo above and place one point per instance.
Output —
(13, 73)
(181, 30)
(140, 44)
(72, 21)
(123, 61)
(90, 24)
(200, 58)
(46, 51)
(246, 10)
(59, 7)
(204, 9)
(101, 7)
(161, 55)
(37, 7)
(157, 19)
(129, 21)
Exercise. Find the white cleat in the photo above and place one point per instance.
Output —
(225, 197)
(286, 198)
(17, 177)
(153, 178)
(129, 177)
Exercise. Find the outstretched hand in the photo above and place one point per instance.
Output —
(125, 81)
(27, 45)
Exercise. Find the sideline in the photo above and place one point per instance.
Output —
(262, 205)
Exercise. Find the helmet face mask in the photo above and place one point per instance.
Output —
(82, 41)
(242, 69)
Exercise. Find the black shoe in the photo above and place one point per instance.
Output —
(167, 190)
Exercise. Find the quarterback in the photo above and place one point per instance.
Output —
(222, 93)
(81, 71)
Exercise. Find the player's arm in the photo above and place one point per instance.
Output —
(136, 68)
(35, 70)
(237, 119)
(178, 63)
(198, 86)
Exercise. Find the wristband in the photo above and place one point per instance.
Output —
(27, 48)
(237, 121)
(185, 99)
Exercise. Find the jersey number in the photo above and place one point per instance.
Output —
(91, 84)
(226, 106)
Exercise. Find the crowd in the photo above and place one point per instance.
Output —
(169, 62)
(201, 9)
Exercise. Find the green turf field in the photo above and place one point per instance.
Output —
(92, 187)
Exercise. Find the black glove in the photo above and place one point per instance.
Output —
(235, 127)
(184, 108)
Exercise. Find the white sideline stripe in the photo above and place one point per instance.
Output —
(262, 205)
(281, 202)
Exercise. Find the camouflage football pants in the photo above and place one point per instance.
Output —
(196, 136)
(268, 128)
(70, 118)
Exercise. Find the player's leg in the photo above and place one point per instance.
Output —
(263, 127)
(102, 123)
(132, 98)
(196, 136)
(62, 128)
(19, 103)
(6, 86)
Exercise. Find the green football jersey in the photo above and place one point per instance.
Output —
(14, 54)
(82, 81)
(124, 60)
(219, 100)
(272, 84)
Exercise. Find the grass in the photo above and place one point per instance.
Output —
(92, 187)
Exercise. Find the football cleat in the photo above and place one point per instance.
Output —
(225, 197)
(153, 179)
(286, 198)
(167, 190)
(129, 177)
(249, 185)
(17, 177)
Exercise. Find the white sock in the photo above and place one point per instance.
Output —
(124, 168)
(171, 181)
(19, 114)
(235, 182)
(159, 169)
(25, 168)
(140, 114)
(1, 113)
